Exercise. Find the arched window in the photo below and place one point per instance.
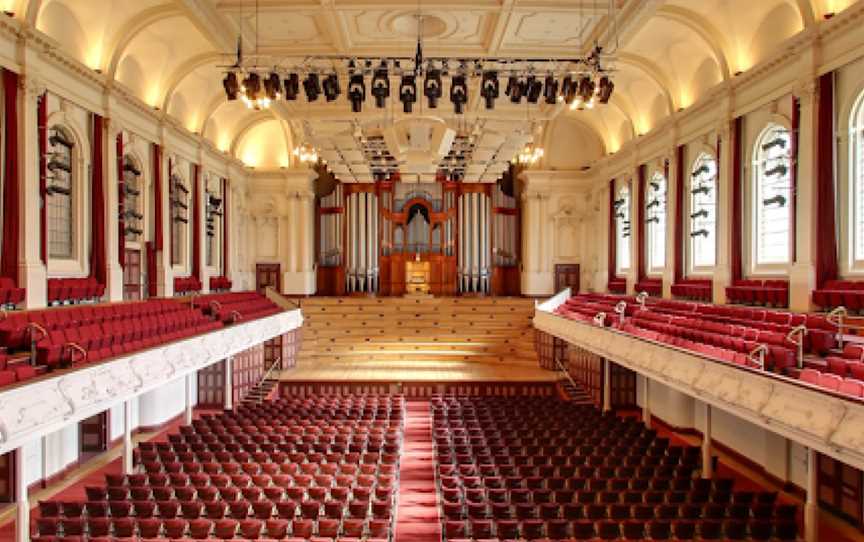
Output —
(703, 212)
(61, 189)
(179, 195)
(213, 206)
(772, 196)
(133, 213)
(655, 221)
(856, 182)
(622, 228)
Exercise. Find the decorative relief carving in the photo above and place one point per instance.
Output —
(824, 422)
(31, 411)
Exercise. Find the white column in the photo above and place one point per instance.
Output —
(607, 385)
(802, 275)
(229, 383)
(22, 501)
(32, 273)
(290, 233)
(190, 382)
(128, 466)
(707, 465)
(646, 401)
(723, 268)
(811, 505)
(114, 288)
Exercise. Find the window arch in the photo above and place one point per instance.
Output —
(771, 197)
(655, 221)
(622, 228)
(703, 212)
(62, 192)
(856, 183)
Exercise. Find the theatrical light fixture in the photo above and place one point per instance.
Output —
(585, 79)
(489, 89)
(529, 155)
(432, 88)
(357, 92)
(459, 93)
(381, 85)
(292, 86)
(306, 154)
(312, 86)
(408, 92)
(331, 87)
(231, 85)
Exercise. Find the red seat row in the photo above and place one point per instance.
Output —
(618, 286)
(759, 292)
(651, 286)
(220, 284)
(9, 293)
(695, 289)
(833, 382)
(836, 293)
(231, 307)
(186, 285)
(62, 291)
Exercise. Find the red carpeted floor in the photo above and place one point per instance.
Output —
(417, 519)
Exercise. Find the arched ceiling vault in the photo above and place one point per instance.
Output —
(124, 36)
(654, 73)
(706, 30)
(248, 125)
(184, 70)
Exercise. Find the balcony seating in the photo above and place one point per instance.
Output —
(694, 289)
(774, 293)
(232, 307)
(652, 286)
(571, 472)
(186, 285)
(66, 291)
(618, 286)
(830, 381)
(226, 477)
(836, 293)
(9, 294)
(220, 284)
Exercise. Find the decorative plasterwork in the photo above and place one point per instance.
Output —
(31, 411)
(821, 421)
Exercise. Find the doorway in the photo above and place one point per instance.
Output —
(567, 276)
(7, 477)
(93, 435)
(132, 275)
(267, 274)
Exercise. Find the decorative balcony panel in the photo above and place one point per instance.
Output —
(43, 406)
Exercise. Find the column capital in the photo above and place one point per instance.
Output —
(32, 85)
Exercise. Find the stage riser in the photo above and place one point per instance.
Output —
(420, 389)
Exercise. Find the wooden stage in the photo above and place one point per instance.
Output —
(415, 371)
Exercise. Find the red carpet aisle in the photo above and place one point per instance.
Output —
(417, 520)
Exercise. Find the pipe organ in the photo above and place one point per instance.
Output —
(465, 234)
(362, 264)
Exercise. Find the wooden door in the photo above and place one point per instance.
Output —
(840, 488)
(7, 477)
(267, 274)
(567, 276)
(93, 434)
(132, 275)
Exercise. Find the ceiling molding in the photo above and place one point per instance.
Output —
(209, 22)
(129, 31)
(248, 124)
(28, 10)
(807, 13)
(705, 30)
(654, 73)
(184, 70)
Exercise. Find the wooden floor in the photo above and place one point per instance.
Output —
(486, 339)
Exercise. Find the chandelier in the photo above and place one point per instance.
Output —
(579, 81)
(529, 155)
(306, 154)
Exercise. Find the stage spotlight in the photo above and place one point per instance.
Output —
(604, 93)
(533, 88)
(517, 89)
(586, 89)
(312, 86)
(568, 90)
(231, 85)
(381, 85)
(408, 92)
(331, 87)
(512, 83)
(356, 92)
(458, 93)
(292, 86)
(432, 87)
(252, 84)
(272, 86)
(550, 90)
(489, 89)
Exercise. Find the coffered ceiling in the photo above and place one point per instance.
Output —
(169, 53)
